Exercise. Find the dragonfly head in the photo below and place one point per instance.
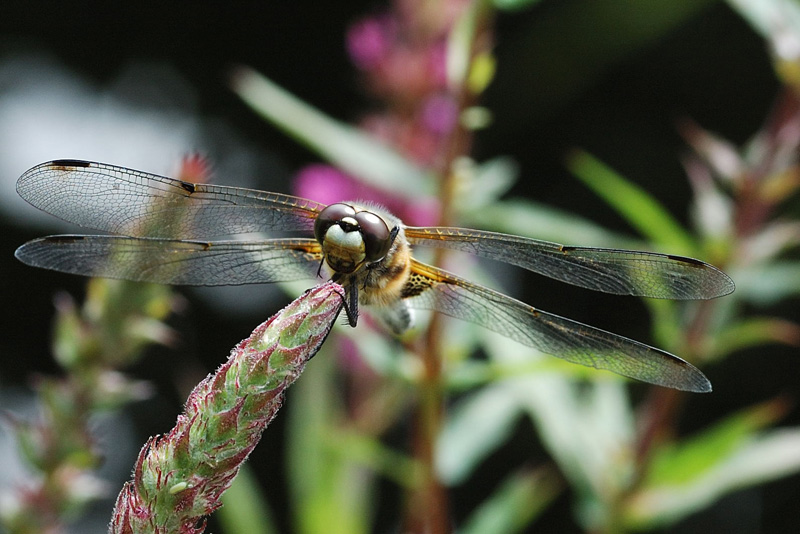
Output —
(352, 237)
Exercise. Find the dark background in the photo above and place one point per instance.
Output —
(709, 66)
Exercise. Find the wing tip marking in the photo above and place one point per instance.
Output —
(65, 163)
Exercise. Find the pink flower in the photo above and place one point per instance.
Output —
(437, 63)
(329, 185)
(439, 114)
(369, 41)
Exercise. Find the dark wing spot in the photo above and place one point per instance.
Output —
(188, 186)
(684, 259)
(64, 238)
(70, 163)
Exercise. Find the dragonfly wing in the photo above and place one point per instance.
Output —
(178, 262)
(128, 202)
(434, 289)
(622, 272)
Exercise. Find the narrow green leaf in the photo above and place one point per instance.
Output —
(762, 458)
(754, 331)
(684, 462)
(513, 5)
(526, 218)
(459, 43)
(637, 206)
(370, 452)
(244, 507)
(339, 143)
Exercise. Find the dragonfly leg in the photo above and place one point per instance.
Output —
(319, 269)
(351, 305)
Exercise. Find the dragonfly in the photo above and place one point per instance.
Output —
(172, 231)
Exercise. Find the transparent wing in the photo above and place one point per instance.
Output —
(128, 202)
(623, 272)
(178, 262)
(434, 289)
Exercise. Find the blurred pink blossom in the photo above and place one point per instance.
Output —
(402, 54)
(328, 185)
(369, 41)
(440, 113)
(409, 137)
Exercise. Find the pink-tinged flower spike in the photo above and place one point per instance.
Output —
(179, 478)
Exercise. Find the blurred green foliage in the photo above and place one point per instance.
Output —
(623, 458)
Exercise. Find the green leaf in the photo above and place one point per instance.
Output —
(519, 500)
(341, 144)
(762, 458)
(245, 509)
(513, 5)
(666, 323)
(683, 462)
(637, 206)
(459, 43)
(755, 331)
(526, 218)
(689, 476)
(370, 452)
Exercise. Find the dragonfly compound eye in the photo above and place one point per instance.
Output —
(333, 214)
(376, 235)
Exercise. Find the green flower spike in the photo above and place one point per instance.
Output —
(179, 478)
